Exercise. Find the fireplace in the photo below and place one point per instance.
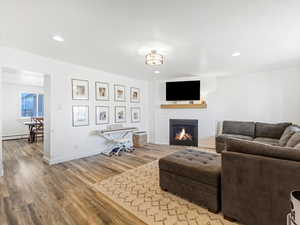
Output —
(184, 132)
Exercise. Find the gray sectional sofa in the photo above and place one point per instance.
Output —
(260, 167)
(250, 181)
(257, 180)
(267, 133)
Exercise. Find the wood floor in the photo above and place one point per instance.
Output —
(32, 192)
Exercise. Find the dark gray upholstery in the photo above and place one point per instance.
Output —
(193, 175)
(262, 132)
(294, 140)
(223, 137)
(270, 141)
(270, 130)
(287, 134)
(254, 148)
(239, 128)
(257, 180)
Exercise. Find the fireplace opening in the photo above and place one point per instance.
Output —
(184, 132)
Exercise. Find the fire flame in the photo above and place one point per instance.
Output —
(183, 136)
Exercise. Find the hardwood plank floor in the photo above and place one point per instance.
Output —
(34, 193)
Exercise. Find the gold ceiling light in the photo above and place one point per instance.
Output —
(153, 58)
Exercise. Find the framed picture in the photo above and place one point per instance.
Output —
(134, 94)
(102, 91)
(80, 115)
(120, 114)
(102, 115)
(119, 93)
(135, 114)
(80, 89)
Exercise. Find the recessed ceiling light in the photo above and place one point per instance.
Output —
(156, 72)
(236, 54)
(58, 38)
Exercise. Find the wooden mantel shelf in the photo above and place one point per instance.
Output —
(183, 106)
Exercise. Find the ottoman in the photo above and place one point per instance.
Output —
(193, 175)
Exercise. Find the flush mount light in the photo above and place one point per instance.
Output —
(236, 54)
(156, 72)
(58, 38)
(153, 58)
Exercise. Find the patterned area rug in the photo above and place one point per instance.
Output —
(138, 191)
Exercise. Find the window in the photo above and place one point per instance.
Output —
(32, 105)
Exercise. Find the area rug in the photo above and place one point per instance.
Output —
(138, 191)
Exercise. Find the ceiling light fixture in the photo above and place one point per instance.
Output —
(58, 38)
(236, 54)
(156, 72)
(153, 58)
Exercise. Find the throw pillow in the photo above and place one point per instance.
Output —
(287, 134)
(294, 140)
(297, 146)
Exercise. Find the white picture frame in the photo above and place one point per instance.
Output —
(134, 95)
(120, 114)
(80, 115)
(102, 91)
(135, 114)
(80, 89)
(120, 95)
(102, 115)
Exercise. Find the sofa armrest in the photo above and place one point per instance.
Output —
(254, 148)
(256, 189)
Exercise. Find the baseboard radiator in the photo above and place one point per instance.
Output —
(14, 137)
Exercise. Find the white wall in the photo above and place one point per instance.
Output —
(267, 96)
(1, 164)
(67, 142)
(13, 124)
(161, 117)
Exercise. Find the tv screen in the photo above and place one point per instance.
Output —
(183, 90)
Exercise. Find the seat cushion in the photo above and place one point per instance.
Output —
(270, 130)
(239, 128)
(200, 166)
(294, 140)
(287, 134)
(270, 141)
(223, 137)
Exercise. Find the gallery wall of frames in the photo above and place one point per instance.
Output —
(81, 112)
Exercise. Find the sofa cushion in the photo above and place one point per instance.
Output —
(200, 166)
(256, 148)
(270, 130)
(269, 141)
(294, 140)
(297, 146)
(239, 128)
(223, 137)
(287, 134)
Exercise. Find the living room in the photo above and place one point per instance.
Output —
(108, 68)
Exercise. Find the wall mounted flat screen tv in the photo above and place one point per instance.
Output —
(183, 91)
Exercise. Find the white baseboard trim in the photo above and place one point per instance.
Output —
(69, 158)
(160, 143)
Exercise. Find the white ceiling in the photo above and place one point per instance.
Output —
(197, 37)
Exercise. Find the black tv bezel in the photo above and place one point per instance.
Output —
(183, 82)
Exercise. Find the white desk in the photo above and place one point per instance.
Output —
(113, 137)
